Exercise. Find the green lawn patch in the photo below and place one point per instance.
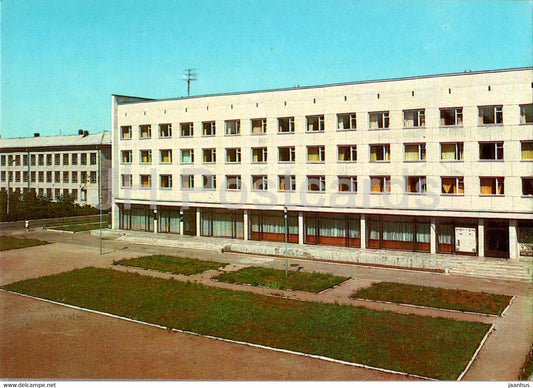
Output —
(275, 278)
(10, 242)
(172, 264)
(82, 227)
(479, 302)
(433, 347)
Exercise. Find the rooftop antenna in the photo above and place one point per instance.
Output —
(190, 75)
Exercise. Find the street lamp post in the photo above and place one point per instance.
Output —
(286, 241)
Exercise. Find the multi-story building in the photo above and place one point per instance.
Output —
(54, 166)
(439, 164)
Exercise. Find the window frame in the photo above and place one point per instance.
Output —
(235, 131)
(351, 183)
(321, 185)
(419, 118)
(351, 118)
(290, 124)
(316, 122)
(291, 153)
(497, 114)
(385, 147)
(237, 154)
(352, 152)
(457, 116)
(421, 151)
(383, 120)
(321, 154)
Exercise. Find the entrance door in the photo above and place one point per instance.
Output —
(497, 239)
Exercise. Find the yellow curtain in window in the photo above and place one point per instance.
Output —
(527, 151)
(500, 186)
(342, 154)
(411, 152)
(486, 185)
(313, 154)
(447, 152)
(375, 185)
(373, 153)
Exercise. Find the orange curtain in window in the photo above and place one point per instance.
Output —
(447, 186)
(486, 185)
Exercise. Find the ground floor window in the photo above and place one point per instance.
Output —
(168, 220)
(457, 235)
(136, 217)
(332, 229)
(222, 223)
(400, 233)
(270, 226)
(525, 237)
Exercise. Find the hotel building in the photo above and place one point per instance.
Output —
(439, 164)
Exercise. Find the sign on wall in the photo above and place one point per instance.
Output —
(465, 240)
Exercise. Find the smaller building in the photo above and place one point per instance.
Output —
(55, 166)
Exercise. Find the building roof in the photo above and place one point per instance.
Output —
(70, 141)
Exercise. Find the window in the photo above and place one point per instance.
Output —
(165, 130)
(17, 176)
(526, 114)
(48, 159)
(491, 151)
(208, 128)
(83, 159)
(451, 116)
(57, 177)
(125, 132)
(210, 182)
(187, 181)
(346, 122)
(32, 160)
(527, 150)
(126, 157)
(165, 156)
(146, 156)
(491, 185)
(145, 131)
(490, 115)
(527, 186)
(40, 159)
(287, 182)
(414, 118)
(146, 181)
(74, 160)
(259, 182)
(165, 181)
(74, 194)
(24, 160)
(41, 176)
(379, 120)
(187, 156)
(186, 129)
(316, 183)
(74, 177)
(32, 176)
(452, 185)
(315, 123)
(17, 160)
(57, 159)
(316, 154)
(451, 151)
(379, 152)
(83, 195)
(65, 176)
(65, 159)
(415, 184)
(92, 177)
(3, 160)
(209, 155)
(287, 154)
(380, 184)
(233, 182)
(259, 126)
(93, 158)
(83, 177)
(415, 151)
(25, 176)
(347, 184)
(233, 127)
(3, 176)
(347, 153)
(233, 155)
(57, 193)
(259, 155)
(286, 125)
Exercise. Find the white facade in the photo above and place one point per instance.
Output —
(455, 150)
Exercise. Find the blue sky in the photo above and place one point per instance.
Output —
(62, 59)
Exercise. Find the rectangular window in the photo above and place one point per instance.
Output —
(83, 159)
(187, 156)
(490, 115)
(125, 132)
(146, 181)
(187, 181)
(210, 182)
(74, 177)
(347, 184)
(527, 150)
(83, 177)
(3, 176)
(92, 177)
(208, 128)
(65, 176)
(452, 185)
(24, 160)
(286, 124)
(25, 176)
(526, 114)
(48, 159)
(32, 176)
(186, 129)
(41, 176)
(17, 160)
(165, 130)
(414, 118)
(65, 159)
(259, 126)
(32, 159)
(165, 181)
(316, 154)
(83, 195)
(527, 186)
(57, 177)
(57, 159)
(233, 182)
(315, 123)
(316, 183)
(57, 193)
(209, 155)
(380, 152)
(145, 131)
(415, 151)
(74, 194)
(346, 122)
(259, 182)
(415, 184)
(379, 120)
(491, 185)
(74, 160)
(233, 155)
(287, 154)
(165, 156)
(3, 160)
(380, 184)
(451, 116)
(287, 182)
(146, 156)
(126, 157)
(451, 151)
(347, 153)
(49, 177)
(232, 127)
(259, 155)
(93, 158)
(491, 151)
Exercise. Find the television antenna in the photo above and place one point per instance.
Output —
(190, 75)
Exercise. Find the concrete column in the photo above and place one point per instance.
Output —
(181, 222)
(198, 221)
(481, 237)
(514, 251)
(433, 235)
(155, 220)
(115, 216)
(245, 225)
(363, 231)
(301, 228)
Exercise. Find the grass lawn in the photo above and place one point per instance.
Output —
(172, 264)
(432, 347)
(275, 278)
(83, 227)
(479, 302)
(9, 242)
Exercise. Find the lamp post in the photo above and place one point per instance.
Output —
(100, 200)
(10, 162)
(286, 241)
